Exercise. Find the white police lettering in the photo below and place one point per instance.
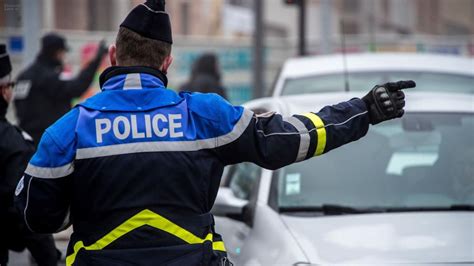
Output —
(126, 127)
(156, 129)
(174, 124)
(135, 133)
(102, 126)
(148, 126)
(140, 127)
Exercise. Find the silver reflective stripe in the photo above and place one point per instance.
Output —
(304, 137)
(166, 146)
(347, 120)
(50, 172)
(25, 216)
(154, 11)
(133, 82)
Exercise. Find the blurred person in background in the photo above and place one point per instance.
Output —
(42, 96)
(205, 76)
(16, 149)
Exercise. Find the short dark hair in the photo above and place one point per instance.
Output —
(136, 50)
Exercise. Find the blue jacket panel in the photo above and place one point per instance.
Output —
(57, 146)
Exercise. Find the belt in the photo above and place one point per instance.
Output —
(150, 218)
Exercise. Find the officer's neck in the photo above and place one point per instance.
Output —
(120, 70)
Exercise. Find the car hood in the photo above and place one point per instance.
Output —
(413, 238)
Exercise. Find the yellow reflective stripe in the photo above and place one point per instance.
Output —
(208, 237)
(320, 130)
(71, 258)
(145, 217)
(166, 225)
(219, 246)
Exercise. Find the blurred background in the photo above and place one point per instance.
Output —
(251, 38)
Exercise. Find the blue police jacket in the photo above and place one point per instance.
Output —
(136, 168)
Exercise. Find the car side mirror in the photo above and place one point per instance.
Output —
(228, 205)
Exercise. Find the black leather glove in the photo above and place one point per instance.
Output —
(385, 102)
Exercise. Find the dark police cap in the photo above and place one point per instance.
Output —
(150, 20)
(5, 65)
(53, 42)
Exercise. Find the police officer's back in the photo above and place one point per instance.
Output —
(42, 96)
(137, 167)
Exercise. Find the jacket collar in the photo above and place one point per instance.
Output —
(132, 89)
(114, 71)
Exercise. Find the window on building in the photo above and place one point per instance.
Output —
(10, 14)
(185, 18)
(351, 6)
(241, 3)
(349, 27)
(100, 18)
(453, 28)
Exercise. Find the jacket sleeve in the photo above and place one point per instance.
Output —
(68, 89)
(42, 195)
(273, 141)
(14, 156)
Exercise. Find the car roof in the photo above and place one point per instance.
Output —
(430, 102)
(314, 65)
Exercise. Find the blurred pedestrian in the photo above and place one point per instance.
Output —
(16, 149)
(42, 95)
(205, 76)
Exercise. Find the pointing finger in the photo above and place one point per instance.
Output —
(406, 84)
(400, 85)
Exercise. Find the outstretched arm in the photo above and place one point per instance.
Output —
(273, 141)
(68, 89)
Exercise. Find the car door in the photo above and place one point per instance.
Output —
(242, 179)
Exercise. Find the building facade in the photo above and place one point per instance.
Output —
(234, 17)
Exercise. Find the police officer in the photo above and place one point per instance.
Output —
(42, 95)
(16, 149)
(137, 167)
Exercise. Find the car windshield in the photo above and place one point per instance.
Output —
(362, 81)
(422, 160)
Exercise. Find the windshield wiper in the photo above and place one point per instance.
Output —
(331, 209)
(455, 207)
(334, 209)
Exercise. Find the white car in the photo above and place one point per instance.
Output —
(403, 194)
(328, 74)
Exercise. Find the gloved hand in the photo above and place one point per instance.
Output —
(385, 102)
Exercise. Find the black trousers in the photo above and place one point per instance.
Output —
(41, 247)
(3, 255)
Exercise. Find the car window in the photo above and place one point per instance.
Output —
(362, 81)
(422, 160)
(243, 178)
